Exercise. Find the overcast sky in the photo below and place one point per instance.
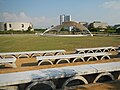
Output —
(44, 13)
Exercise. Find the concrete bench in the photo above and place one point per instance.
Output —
(97, 49)
(70, 72)
(69, 58)
(32, 53)
(9, 61)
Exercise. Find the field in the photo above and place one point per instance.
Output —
(10, 43)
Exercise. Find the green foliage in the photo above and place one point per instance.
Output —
(39, 30)
(108, 30)
(4, 32)
(111, 31)
(17, 32)
(63, 29)
(94, 29)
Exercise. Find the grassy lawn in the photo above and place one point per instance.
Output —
(32, 42)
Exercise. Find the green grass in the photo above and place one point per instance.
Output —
(32, 42)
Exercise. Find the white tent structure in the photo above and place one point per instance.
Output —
(69, 24)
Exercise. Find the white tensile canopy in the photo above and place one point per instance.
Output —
(68, 24)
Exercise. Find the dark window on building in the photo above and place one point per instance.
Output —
(22, 25)
(5, 26)
(10, 25)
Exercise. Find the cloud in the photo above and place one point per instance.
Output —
(112, 4)
(41, 21)
(110, 11)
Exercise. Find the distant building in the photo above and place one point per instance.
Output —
(98, 24)
(22, 26)
(65, 18)
(62, 19)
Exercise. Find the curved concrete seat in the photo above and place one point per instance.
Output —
(102, 75)
(97, 49)
(92, 58)
(67, 58)
(23, 55)
(49, 85)
(106, 50)
(10, 61)
(75, 59)
(48, 54)
(103, 57)
(79, 73)
(59, 53)
(31, 53)
(80, 78)
(35, 55)
(43, 61)
(89, 51)
(60, 60)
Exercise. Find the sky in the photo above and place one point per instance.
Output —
(44, 13)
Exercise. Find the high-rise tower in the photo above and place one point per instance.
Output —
(65, 18)
(62, 19)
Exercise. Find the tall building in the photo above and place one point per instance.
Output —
(62, 19)
(65, 18)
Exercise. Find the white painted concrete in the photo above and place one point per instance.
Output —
(54, 73)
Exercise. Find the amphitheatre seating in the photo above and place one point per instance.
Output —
(69, 58)
(71, 73)
(31, 53)
(10, 61)
(97, 49)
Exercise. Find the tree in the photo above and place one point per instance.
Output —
(52, 25)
